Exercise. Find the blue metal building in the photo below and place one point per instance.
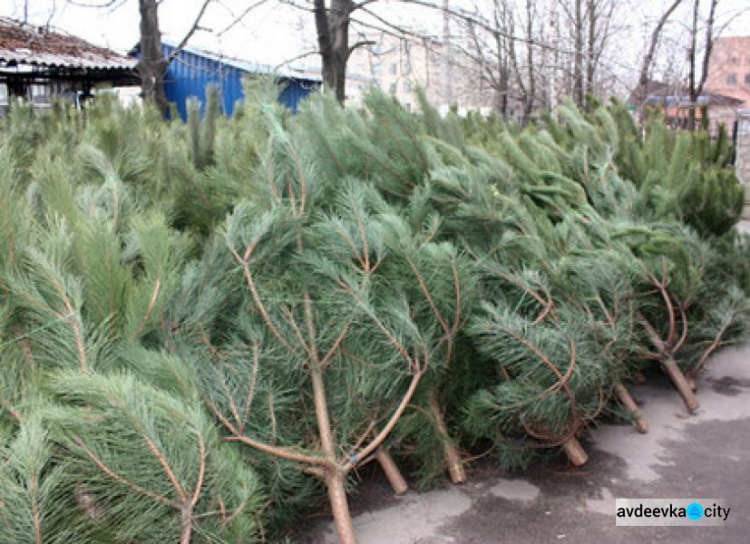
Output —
(193, 69)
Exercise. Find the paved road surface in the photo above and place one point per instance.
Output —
(705, 455)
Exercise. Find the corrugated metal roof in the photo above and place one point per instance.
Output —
(25, 44)
(286, 71)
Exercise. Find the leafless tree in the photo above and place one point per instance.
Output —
(152, 66)
(696, 81)
(489, 53)
(526, 51)
(332, 25)
(648, 57)
(551, 47)
(528, 87)
(591, 26)
(333, 20)
(578, 23)
(601, 20)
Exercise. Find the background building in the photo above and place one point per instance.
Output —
(398, 65)
(729, 74)
(39, 65)
(193, 70)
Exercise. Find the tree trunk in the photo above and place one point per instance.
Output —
(504, 27)
(332, 27)
(456, 469)
(504, 84)
(152, 66)
(531, 95)
(648, 58)
(334, 477)
(578, 54)
(340, 13)
(187, 525)
(501, 99)
(336, 484)
(708, 49)
(692, 53)
(575, 452)
(591, 46)
(696, 87)
(452, 456)
(679, 381)
(448, 98)
(627, 401)
(395, 478)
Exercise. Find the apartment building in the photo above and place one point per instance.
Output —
(729, 74)
(397, 65)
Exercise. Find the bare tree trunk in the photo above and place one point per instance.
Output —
(531, 94)
(503, 24)
(525, 89)
(591, 53)
(578, 54)
(648, 58)
(692, 53)
(152, 66)
(696, 84)
(332, 27)
(502, 93)
(708, 49)
(553, 79)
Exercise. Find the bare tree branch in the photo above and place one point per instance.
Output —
(648, 58)
(710, 39)
(239, 18)
(190, 32)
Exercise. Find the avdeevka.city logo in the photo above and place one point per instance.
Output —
(695, 511)
(666, 512)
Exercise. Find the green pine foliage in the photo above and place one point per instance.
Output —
(89, 267)
(204, 325)
(38, 498)
(148, 465)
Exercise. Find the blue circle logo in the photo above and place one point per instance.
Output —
(694, 511)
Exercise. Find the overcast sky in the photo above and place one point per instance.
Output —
(272, 33)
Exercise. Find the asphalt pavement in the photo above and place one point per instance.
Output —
(701, 455)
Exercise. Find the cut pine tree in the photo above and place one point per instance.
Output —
(681, 383)
(452, 456)
(575, 452)
(667, 348)
(391, 471)
(629, 403)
